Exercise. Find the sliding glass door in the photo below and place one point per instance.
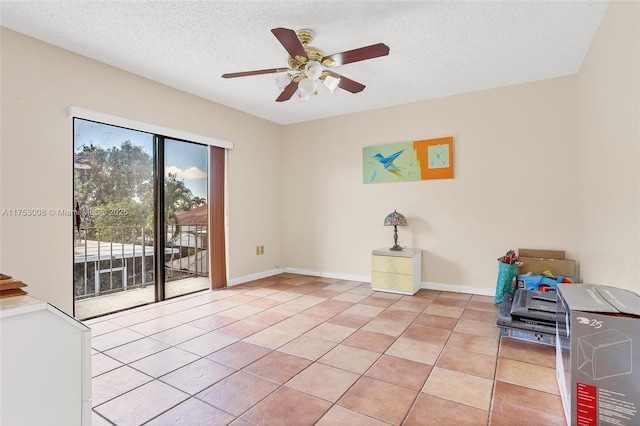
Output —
(114, 215)
(185, 217)
(141, 214)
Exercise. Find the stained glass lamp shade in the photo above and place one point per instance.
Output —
(395, 219)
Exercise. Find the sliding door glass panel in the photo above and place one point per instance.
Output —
(114, 216)
(186, 217)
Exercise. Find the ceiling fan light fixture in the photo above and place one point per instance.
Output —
(307, 85)
(303, 96)
(331, 82)
(313, 70)
(283, 81)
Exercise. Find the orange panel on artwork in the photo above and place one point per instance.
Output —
(435, 157)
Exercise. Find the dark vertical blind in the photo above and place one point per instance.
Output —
(216, 243)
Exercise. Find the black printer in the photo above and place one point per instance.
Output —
(528, 315)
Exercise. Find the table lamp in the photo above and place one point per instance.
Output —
(395, 219)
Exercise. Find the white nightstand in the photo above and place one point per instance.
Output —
(396, 271)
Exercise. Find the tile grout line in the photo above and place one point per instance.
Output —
(272, 350)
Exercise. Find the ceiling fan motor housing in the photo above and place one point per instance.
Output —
(313, 53)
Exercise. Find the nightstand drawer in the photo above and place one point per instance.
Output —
(389, 281)
(395, 265)
(396, 271)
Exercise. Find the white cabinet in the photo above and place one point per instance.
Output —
(396, 271)
(45, 365)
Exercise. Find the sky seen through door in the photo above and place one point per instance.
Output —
(187, 160)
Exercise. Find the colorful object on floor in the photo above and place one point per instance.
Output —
(509, 258)
(507, 272)
(545, 282)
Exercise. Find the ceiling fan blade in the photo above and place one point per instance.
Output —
(257, 72)
(346, 83)
(288, 92)
(361, 54)
(290, 41)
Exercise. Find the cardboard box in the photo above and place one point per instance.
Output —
(535, 265)
(542, 254)
(597, 365)
(536, 261)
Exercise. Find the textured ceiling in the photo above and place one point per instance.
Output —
(438, 48)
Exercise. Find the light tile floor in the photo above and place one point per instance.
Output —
(300, 350)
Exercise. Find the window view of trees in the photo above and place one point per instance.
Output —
(177, 198)
(114, 187)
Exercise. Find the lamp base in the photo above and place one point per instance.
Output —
(395, 247)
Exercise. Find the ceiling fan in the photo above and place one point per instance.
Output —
(308, 65)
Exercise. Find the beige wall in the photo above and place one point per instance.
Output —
(609, 151)
(525, 160)
(38, 82)
(515, 184)
(547, 137)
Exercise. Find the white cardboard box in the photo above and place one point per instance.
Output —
(598, 355)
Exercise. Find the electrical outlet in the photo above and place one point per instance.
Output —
(257, 249)
(261, 249)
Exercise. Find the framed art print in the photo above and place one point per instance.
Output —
(408, 161)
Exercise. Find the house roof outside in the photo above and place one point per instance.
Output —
(196, 216)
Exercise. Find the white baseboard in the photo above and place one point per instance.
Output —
(241, 280)
(455, 288)
(324, 274)
(481, 291)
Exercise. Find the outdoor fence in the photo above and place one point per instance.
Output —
(121, 258)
